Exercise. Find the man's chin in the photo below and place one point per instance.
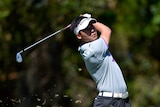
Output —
(95, 37)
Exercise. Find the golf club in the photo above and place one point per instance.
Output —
(19, 56)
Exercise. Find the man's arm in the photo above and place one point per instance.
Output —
(105, 31)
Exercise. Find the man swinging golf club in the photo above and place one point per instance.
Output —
(99, 62)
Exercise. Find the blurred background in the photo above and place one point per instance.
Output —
(53, 73)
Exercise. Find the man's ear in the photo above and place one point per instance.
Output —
(79, 36)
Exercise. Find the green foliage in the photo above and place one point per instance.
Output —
(146, 91)
(5, 7)
(53, 73)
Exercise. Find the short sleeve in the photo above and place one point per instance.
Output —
(96, 49)
(99, 48)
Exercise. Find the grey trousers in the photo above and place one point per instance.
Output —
(101, 101)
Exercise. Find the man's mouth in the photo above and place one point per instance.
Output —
(94, 34)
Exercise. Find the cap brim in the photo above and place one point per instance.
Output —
(83, 24)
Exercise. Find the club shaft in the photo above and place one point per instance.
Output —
(41, 40)
(47, 37)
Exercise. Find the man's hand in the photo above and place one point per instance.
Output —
(86, 15)
(105, 31)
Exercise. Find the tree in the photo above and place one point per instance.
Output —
(53, 73)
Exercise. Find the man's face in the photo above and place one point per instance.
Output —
(88, 34)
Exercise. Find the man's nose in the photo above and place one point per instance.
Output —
(92, 30)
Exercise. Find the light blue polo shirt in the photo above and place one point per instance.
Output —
(102, 67)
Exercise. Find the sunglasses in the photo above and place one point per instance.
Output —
(90, 29)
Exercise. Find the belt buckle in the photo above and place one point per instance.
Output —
(120, 95)
(117, 95)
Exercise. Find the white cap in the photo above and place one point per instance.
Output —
(83, 24)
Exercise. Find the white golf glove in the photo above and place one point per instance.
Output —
(87, 15)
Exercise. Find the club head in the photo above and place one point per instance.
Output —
(19, 57)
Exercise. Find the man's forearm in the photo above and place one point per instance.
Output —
(105, 31)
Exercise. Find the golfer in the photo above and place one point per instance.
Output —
(100, 63)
